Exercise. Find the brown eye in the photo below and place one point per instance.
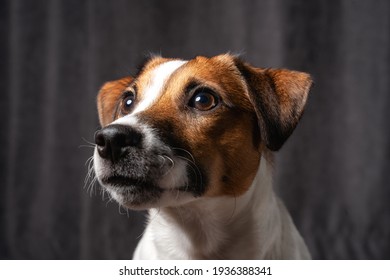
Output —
(203, 100)
(128, 102)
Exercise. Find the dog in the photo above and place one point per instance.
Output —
(192, 142)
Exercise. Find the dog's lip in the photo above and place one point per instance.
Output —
(120, 181)
(124, 181)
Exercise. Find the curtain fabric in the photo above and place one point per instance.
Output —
(333, 173)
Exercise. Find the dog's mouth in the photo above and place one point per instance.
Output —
(131, 192)
(144, 180)
(123, 181)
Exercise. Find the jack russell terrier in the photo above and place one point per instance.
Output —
(192, 141)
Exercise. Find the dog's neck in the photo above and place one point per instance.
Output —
(210, 226)
(252, 226)
(216, 228)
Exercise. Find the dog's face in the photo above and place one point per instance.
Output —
(182, 130)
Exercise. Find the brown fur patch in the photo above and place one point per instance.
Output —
(108, 98)
(278, 97)
(221, 141)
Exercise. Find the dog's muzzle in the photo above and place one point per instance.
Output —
(128, 165)
(137, 168)
(115, 141)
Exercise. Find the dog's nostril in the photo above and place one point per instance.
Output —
(113, 141)
(99, 139)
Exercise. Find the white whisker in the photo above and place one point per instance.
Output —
(90, 178)
(195, 169)
(187, 152)
(193, 164)
(88, 142)
(172, 165)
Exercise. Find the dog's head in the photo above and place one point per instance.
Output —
(181, 130)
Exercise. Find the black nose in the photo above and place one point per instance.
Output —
(115, 140)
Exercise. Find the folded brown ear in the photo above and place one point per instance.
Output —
(108, 98)
(279, 97)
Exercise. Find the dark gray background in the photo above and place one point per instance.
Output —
(333, 173)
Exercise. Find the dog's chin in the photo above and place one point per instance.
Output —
(136, 194)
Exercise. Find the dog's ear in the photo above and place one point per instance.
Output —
(278, 97)
(108, 98)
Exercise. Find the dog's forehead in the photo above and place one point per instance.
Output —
(156, 76)
(152, 80)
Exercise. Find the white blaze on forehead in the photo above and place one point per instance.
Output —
(158, 78)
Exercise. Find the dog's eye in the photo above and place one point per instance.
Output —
(203, 100)
(128, 102)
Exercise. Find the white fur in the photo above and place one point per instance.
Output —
(159, 76)
(253, 226)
